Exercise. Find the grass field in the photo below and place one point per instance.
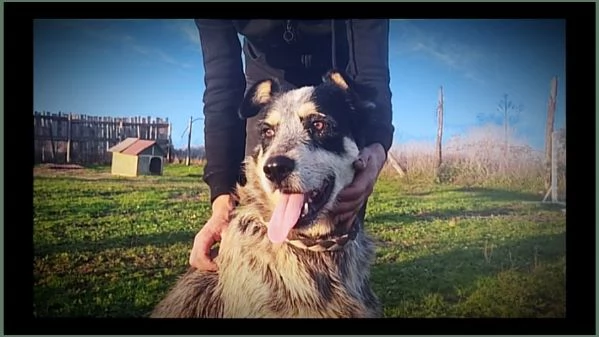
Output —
(111, 246)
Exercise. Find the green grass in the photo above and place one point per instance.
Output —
(111, 246)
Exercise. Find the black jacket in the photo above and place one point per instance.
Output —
(360, 48)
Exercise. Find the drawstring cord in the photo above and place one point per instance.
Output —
(333, 45)
(351, 51)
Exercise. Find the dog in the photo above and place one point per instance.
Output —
(283, 255)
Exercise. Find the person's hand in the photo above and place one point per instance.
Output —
(368, 167)
(202, 255)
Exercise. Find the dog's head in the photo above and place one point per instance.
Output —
(310, 137)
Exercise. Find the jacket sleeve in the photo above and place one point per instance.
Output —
(369, 62)
(224, 131)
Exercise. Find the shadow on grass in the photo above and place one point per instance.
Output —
(158, 240)
(496, 194)
(405, 218)
(493, 194)
(121, 179)
(451, 272)
(394, 282)
(480, 196)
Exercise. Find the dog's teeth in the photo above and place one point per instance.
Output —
(305, 210)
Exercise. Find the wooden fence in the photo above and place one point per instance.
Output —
(76, 138)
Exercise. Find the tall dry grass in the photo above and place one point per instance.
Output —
(477, 158)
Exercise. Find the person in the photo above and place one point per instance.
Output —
(297, 53)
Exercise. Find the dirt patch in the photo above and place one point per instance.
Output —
(71, 170)
(63, 166)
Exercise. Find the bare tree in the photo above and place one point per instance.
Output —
(188, 157)
(510, 113)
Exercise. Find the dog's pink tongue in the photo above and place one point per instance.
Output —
(285, 216)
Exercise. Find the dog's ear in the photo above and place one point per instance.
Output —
(259, 95)
(362, 97)
(363, 93)
(338, 78)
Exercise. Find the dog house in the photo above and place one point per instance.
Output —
(133, 157)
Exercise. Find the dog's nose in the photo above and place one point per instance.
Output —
(278, 168)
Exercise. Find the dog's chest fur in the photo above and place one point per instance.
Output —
(285, 281)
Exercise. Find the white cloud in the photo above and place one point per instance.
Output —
(188, 31)
(157, 54)
(105, 30)
(445, 49)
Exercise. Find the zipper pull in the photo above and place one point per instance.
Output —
(288, 35)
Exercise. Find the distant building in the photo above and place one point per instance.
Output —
(134, 156)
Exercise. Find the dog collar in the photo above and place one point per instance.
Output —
(326, 245)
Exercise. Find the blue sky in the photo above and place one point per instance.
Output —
(124, 68)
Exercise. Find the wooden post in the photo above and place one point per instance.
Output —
(549, 130)
(120, 133)
(142, 127)
(137, 122)
(51, 127)
(187, 161)
(36, 127)
(41, 132)
(439, 129)
(58, 130)
(553, 187)
(395, 165)
(83, 145)
(169, 153)
(107, 135)
(69, 136)
(554, 167)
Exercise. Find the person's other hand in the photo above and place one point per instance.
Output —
(202, 255)
(368, 167)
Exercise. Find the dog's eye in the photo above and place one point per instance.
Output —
(268, 133)
(318, 125)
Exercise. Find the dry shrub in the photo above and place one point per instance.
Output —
(478, 158)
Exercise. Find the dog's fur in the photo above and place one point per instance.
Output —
(257, 278)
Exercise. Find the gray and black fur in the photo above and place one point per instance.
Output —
(314, 133)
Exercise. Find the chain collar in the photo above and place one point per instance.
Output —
(329, 244)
